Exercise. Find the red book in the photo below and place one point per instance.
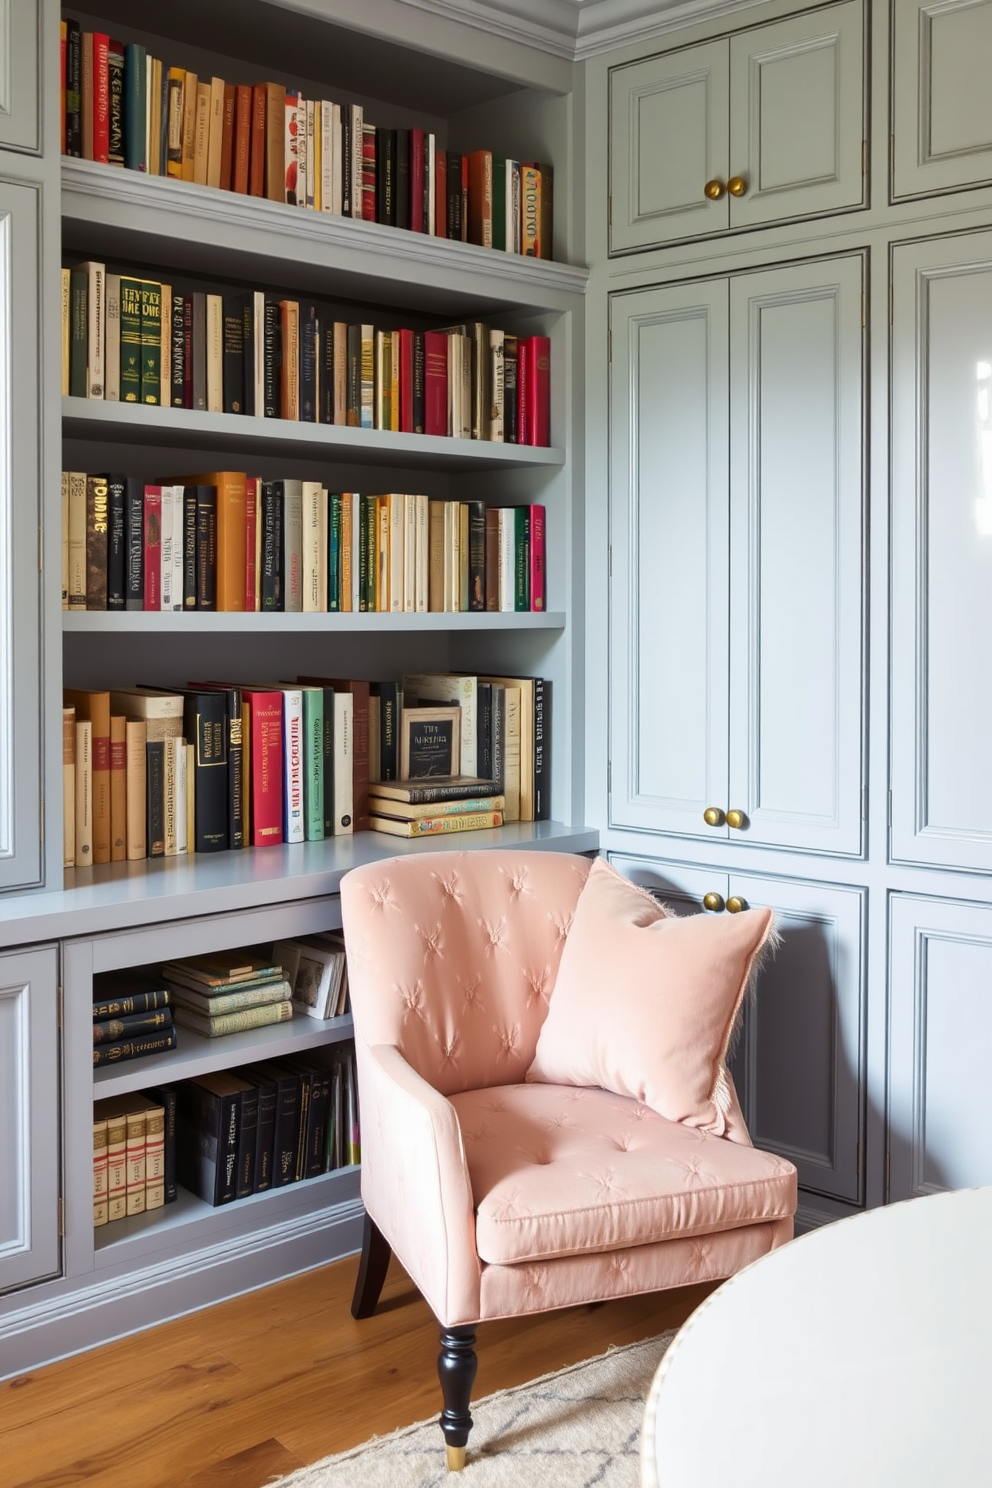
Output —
(416, 180)
(464, 198)
(406, 380)
(435, 382)
(538, 592)
(227, 139)
(368, 172)
(265, 756)
(534, 390)
(153, 547)
(251, 524)
(242, 138)
(441, 194)
(101, 97)
(256, 169)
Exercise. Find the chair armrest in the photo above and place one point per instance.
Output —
(415, 1182)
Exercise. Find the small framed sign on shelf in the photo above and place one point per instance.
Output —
(430, 742)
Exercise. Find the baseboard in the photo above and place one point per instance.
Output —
(110, 1307)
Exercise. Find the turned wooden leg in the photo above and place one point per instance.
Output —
(456, 1366)
(371, 1271)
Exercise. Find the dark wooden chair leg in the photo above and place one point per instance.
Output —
(456, 1366)
(371, 1271)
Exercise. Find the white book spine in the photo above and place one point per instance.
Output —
(344, 792)
(507, 558)
(312, 564)
(313, 185)
(395, 507)
(178, 539)
(335, 198)
(292, 527)
(431, 186)
(258, 336)
(96, 329)
(182, 785)
(357, 126)
(112, 380)
(422, 555)
(293, 152)
(292, 726)
(409, 553)
(497, 386)
(327, 156)
(165, 551)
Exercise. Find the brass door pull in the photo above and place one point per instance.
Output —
(713, 190)
(737, 186)
(737, 819)
(735, 904)
(713, 902)
(713, 816)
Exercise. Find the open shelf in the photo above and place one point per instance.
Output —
(189, 622)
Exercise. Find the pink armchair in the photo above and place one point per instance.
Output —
(501, 1196)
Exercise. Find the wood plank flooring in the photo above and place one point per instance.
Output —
(241, 1393)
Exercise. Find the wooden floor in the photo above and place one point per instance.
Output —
(253, 1388)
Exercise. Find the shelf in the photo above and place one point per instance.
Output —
(123, 896)
(179, 622)
(186, 428)
(128, 216)
(196, 1055)
(191, 1220)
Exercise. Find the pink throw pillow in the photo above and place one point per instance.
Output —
(645, 1002)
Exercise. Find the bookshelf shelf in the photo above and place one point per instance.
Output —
(196, 1055)
(188, 429)
(125, 622)
(129, 216)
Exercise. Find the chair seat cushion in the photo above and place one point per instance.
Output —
(560, 1170)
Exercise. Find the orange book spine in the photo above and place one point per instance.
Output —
(480, 197)
(256, 176)
(275, 142)
(242, 138)
(289, 368)
(227, 138)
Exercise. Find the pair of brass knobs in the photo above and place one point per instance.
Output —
(714, 189)
(716, 902)
(714, 817)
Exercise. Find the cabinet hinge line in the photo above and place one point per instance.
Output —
(892, 155)
(59, 1008)
(864, 310)
(609, 560)
(891, 305)
(888, 1174)
(609, 211)
(609, 777)
(864, 803)
(41, 551)
(864, 157)
(859, 1160)
(61, 1218)
(41, 819)
(609, 346)
(889, 810)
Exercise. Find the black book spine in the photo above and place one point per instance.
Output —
(205, 726)
(135, 1002)
(78, 313)
(115, 123)
(389, 730)
(206, 547)
(207, 1135)
(248, 352)
(189, 548)
(326, 354)
(354, 378)
(308, 362)
(177, 374)
(271, 356)
(73, 89)
(271, 519)
(247, 1133)
(477, 555)
(155, 797)
(328, 761)
(134, 520)
(484, 730)
(136, 1048)
(265, 1134)
(419, 383)
(542, 749)
(287, 1131)
(109, 1030)
(199, 383)
(346, 158)
(116, 542)
(236, 835)
(300, 1156)
(167, 1096)
(453, 193)
(187, 351)
(227, 1154)
(510, 393)
(402, 189)
(233, 342)
(320, 1099)
(385, 176)
(498, 735)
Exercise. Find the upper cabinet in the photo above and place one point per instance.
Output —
(764, 126)
(736, 524)
(941, 101)
(20, 84)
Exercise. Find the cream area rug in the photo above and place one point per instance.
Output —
(576, 1428)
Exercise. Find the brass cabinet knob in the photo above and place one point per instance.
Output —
(713, 816)
(713, 902)
(737, 185)
(714, 190)
(737, 819)
(735, 904)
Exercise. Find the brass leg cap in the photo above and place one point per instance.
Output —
(456, 1459)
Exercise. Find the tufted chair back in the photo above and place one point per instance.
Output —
(455, 967)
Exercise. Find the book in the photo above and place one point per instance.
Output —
(136, 1048)
(264, 741)
(100, 1169)
(110, 1111)
(420, 688)
(433, 826)
(215, 1004)
(167, 1098)
(286, 1117)
(107, 1030)
(154, 1154)
(223, 969)
(97, 515)
(230, 488)
(205, 725)
(94, 707)
(207, 1135)
(429, 741)
(534, 390)
(381, 805)
(260, 1016)
(68, 787)
(131, 1003)
(351, 730)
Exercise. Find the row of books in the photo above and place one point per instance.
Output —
(129, 339)
(225, 1136)
(228, 541)
(131, 1023)
(124, 107)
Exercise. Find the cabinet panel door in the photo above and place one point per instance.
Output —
(941, 101)
(29, 1117)
(668, 137)
(20, 82)
(940, 1012)
(668, 493)
(20, 618)
(799, 1069)
(682, 888)
(942, 552)
(796, 578)
(797, 120)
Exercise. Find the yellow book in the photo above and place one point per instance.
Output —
(174, 127)
(215, 131)
(110, 1112)
(165, 342)
(154, 1156)
(100, 1169)
(191, 800)
(136, 1157)
(189, 126)
(65, 539)
(201, 138)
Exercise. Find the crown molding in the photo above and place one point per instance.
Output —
(606, 24)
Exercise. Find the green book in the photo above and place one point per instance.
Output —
(499, 201)
(521, 558)
(151, 341)
(78, 325)
(130, 314)
(313, 763)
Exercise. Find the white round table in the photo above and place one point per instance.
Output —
(858, 1355)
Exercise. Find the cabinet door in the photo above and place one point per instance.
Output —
(682, 888)
(668, 137)
(29, 1117)
(797, 116)
(669, 529)
(941, 101)
(20, 618)
(942, 552)
(799, 1069)
(940, 1012)
(796, 571)
(20, 65)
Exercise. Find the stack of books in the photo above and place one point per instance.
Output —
(130, 1169)
(227, 992)
(130, 1019)
(434, 805)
